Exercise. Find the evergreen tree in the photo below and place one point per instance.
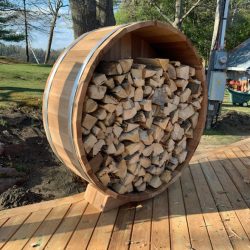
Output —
(7, 16)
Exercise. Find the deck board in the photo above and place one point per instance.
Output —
(121, 235)
(228, 215)
(160, 223)
(141, 233)
(207, 208)
(197, 228)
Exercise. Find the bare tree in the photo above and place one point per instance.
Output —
(54, 8)
(179, 16)
(26, 31)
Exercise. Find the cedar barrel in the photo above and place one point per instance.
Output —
(68, 81)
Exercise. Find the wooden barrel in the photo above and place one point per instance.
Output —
(68, 81)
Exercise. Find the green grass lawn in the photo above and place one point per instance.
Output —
(22, 84)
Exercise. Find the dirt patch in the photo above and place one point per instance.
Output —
(26, 149)
(232, 126)
(234, 123)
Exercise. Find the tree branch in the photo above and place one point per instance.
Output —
(188, 12)
(160, 11)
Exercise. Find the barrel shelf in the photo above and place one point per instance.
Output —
(67, 84)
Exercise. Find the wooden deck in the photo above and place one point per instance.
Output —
(208, 208)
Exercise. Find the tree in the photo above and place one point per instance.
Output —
(7, 15)
(54, 7)
(195, 18)
(26, 31)
(105, 13)
(90, 14)
(83, 16)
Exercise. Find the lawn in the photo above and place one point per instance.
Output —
(22, 84)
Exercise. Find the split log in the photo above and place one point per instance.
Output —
(177, 132)
(194, 86)
(182, 156)
(182, 72)
(145, 162)
(96, 92)
(90, 106)
(98, 79)
(166, 176)
(89, 121)
(176, 63)
(109, 68)
(132, 136)
(161, 122)
(185, 95)
(110, 83)
(108, 99)
(129, 113)
(130, 126)
(89, 142)
(142, 187)
(119, 78)
(138, 94)
(158, 62)
(126, 64)
(146, 105)
(171, 72)
(119, 92)
(100, 114)
(119, 109)
(155, 182)
(139, 82)
(181, 83)
(134, 147)
(121, 169)
(96, 162)
(117, 130)
(191, 71)
(147, 91)
(187, 112)
(137, 73)
(146, 138)
(97, 147)
(194, 119)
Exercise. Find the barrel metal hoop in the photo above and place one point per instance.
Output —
(47, 91)
(76, 85)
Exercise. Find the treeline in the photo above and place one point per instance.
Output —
(19, 53)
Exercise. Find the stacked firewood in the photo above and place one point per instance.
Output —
(137, 118)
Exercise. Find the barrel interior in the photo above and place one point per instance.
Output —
(160, 41)
(153, 42)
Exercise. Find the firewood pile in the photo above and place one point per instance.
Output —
(138, 116)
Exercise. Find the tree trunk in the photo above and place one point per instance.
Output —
(178, 14)
(105, 13)
(51, 33)
(26, 31)
(216, 26)
(83, 16)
